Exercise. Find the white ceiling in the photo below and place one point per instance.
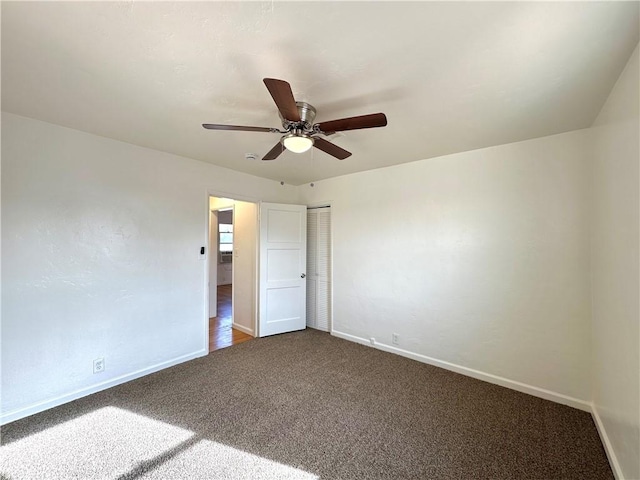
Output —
(450, 76)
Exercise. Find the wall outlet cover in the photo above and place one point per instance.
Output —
(98, 365)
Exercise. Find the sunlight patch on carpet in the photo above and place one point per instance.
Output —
(111, 443)
(106, 443)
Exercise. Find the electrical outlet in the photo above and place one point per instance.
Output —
(98, 365)
(372, 340)
(395, 338)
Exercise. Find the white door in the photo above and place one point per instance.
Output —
(283, 253)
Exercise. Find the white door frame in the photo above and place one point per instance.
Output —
(242, 198)
(213, 263)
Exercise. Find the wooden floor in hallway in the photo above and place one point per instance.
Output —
(221, 333)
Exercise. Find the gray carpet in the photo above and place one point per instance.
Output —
(305, 405)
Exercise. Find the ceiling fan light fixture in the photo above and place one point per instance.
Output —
(297, 143)
(300, 133)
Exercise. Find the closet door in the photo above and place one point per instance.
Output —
(319, 268)
(312, 282)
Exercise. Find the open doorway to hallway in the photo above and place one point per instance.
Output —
(221, 331)
(232, 272)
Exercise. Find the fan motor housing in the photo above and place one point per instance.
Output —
(307, 114)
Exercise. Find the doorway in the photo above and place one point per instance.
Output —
(232, 271)
(271, 299)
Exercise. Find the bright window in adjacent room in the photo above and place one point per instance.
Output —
(225, 237)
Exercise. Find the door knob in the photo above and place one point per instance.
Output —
(302, 275)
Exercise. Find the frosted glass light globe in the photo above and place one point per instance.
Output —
(297, 143)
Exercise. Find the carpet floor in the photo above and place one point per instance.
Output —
(306, 406)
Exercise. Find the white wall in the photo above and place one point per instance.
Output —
(479, 259)
(615, 258)
(245, 245)
(100, 250)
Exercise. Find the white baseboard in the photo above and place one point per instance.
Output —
(247, 330)
(608, 448)
(17, 414)
(487, 377)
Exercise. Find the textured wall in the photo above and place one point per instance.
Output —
(100, 258)
(244, 265)
(480, 259)
(615, 258)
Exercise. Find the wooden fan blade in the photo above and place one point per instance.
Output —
(354, 123)
(330, 148)
(274, 152)
(215, 126)
(283, 96)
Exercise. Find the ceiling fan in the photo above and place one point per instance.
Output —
(299, 131)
